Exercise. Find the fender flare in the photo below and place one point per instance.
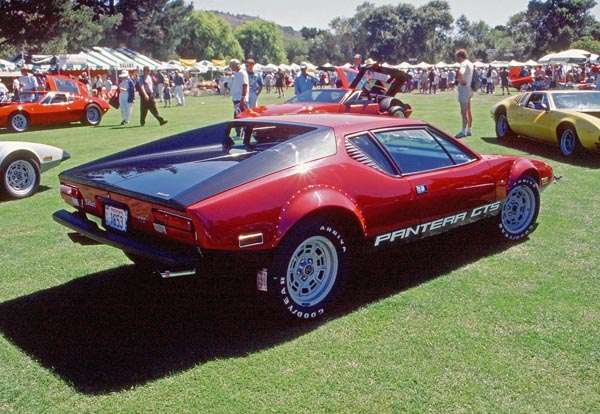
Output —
(520, 168)
(318, 199)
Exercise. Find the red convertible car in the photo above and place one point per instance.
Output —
(297, 195)
(371, 91)
(64, 100)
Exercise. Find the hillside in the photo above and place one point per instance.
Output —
(236, 20)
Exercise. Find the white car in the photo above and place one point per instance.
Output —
(21, 164)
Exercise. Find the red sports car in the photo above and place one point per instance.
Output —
(298, 195)
(371, 91)
(64, 100)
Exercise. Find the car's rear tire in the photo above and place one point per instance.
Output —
(568, 141)
(18, 122)
(503, 129)
(520, 209)
(20, 176)
(92, 115)
(309, 269)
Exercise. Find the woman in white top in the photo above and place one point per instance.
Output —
(126, 96)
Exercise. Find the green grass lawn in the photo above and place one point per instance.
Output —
(455, 324)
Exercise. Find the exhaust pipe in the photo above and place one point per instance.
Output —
(167, 274)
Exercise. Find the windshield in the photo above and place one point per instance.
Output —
(586, 101)
(319, 95)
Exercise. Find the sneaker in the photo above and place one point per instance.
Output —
(468, 133)
(460, 135)
(164, 121)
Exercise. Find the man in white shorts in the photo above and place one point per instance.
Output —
(463, 78)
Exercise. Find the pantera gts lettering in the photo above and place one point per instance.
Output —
(437, 226)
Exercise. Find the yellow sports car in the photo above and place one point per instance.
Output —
(566, 118)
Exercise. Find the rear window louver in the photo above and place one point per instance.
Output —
(356, 154)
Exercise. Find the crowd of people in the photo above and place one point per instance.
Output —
(244, 84)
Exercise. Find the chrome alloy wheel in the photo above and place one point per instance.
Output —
(20, 176)
(519, 209)
(312, 271)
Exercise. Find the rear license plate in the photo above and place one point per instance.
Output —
(115, 218)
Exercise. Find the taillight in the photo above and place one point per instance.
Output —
(72, 195)
(163, 220)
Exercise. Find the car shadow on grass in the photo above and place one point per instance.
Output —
(583, 159)
(4, 197)
(116, 329)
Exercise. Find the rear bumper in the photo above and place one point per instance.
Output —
(169, 255)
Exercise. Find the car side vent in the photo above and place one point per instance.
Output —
(356, 154)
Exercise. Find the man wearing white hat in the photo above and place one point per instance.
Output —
(239, 87)
(304, 81)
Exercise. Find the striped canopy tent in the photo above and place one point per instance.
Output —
(106, 61)
(578, 56)
(5, 65)
(139, 58)
(75, 62)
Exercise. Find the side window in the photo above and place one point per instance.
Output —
(414, 150)
(524, 99)
(458, 155)
(374, 155)
(59, 98)
(535, 101)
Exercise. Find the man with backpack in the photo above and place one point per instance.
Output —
(464, 79)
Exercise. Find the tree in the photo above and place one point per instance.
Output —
(555, 24)
(324, 48)
(586, 43)
(206, 36)
(296, 50)
(261, 41)
(153, 26)
(432, 29)
(83, 28)
(53, 26)
(474, 37)
(388, 31)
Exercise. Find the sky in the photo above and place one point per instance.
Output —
(318, 13)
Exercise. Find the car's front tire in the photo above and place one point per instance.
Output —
(309, 269)
(92, 115)
(18, 122)
(503, 129)
(520, 209)
(568, 141)
(20, 177)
